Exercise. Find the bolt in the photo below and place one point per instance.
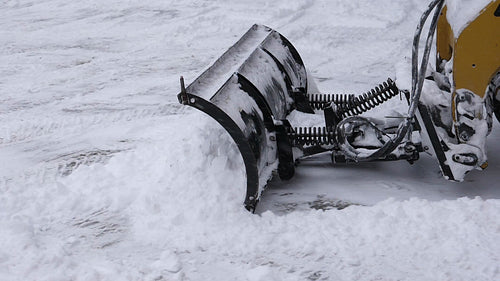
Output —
(410, 148)
(464, 136)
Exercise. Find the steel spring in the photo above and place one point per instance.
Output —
(351, 105)
(321, 101)
(369, 100)
(311, 136)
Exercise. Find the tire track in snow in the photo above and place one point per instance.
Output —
(19, 131)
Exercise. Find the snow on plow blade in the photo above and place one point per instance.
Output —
(250, 90)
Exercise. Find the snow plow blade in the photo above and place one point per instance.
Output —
(250, 90)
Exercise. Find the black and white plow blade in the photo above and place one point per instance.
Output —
(250, 90)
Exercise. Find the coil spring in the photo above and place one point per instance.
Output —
(369, 100)
(311, 136)
(321, 101)
(351, 105)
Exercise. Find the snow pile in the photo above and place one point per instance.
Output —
(104, 177)
(171, 208)
(151, 214)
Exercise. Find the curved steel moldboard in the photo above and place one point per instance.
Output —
(247, 90)
(257, 37)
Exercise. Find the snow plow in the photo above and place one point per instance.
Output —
(255, 85)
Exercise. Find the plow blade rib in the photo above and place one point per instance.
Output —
(250, 90)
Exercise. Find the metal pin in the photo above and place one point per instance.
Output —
(184, 96)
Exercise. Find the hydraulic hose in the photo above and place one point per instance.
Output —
(416, 90)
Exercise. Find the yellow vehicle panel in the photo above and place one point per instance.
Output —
(477, 52)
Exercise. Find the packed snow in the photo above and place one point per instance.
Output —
(104, 176)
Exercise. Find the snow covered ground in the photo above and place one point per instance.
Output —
(103, 176)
